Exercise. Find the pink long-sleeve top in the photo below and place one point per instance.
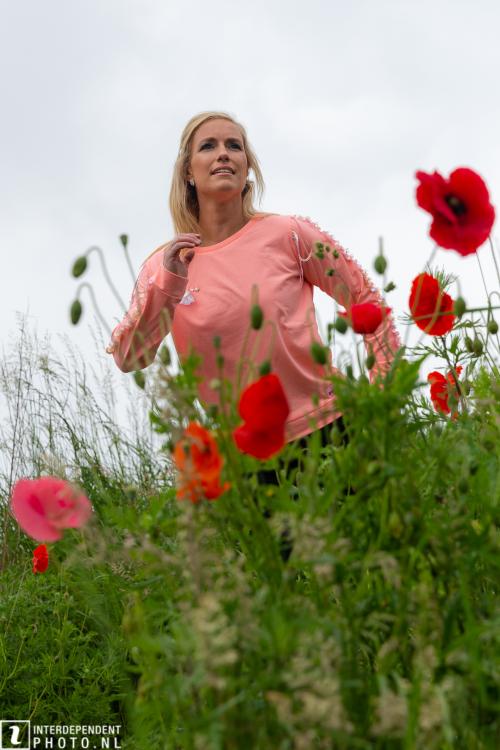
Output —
(277, 254)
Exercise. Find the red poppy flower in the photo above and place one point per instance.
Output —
(264, 408)
(460, 207)
(365, 317)
(428, 305)
(441, 389)
(198, 459)
(40, 559)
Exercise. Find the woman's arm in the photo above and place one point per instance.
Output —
(157, 291)
(348, 285)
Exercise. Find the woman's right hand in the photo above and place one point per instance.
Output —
(179, 253)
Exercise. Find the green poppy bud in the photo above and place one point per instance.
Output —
(79, 266)
(478, 346)
(165, 356)
(139, 378)
(469, 344)
(349, 372)
(219, 360)
(124, 240)
(459, 307)
(76, 311)
(318, 353)
(380, 264)
(493, 326)
(256, 317)
(389, 287)
(265, 368)
(370, 361)
(212, 410)
(395, 525)
(340, 324)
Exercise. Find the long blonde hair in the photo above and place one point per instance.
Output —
(183, 200)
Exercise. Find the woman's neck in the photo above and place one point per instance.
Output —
(219, 221)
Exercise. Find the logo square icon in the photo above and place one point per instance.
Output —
(15, 733)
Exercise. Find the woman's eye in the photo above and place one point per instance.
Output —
(236, 145)
(203, 145)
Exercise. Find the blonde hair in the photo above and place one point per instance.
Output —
(183, 200)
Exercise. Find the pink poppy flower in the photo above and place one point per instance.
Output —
(43, 507)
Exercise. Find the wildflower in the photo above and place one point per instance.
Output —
(43, 507)
(40, 559)
(198, 459)
(442, 388)
(460, 207)
(264, 408)
(365, 317)
(429, 305)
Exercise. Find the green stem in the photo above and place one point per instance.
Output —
(98, 250)
(96, 306)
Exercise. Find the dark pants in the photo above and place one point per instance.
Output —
(269, 476)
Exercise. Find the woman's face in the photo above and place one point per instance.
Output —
(218, 145)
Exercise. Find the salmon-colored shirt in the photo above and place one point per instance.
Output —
(277, 254)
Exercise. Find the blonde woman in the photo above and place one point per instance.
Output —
(199, 284)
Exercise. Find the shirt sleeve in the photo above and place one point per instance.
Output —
(157, 291)
(348, 284)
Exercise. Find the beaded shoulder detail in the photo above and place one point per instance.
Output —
(351, 261)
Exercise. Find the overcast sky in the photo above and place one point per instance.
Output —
(342, 102)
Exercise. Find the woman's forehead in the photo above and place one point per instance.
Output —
(218, 129)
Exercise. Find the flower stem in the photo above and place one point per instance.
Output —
(98, 250)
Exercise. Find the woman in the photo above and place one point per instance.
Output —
(201, 283)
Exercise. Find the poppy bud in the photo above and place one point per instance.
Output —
(76, 311)
(124, 240)
(139, 378)
(219, 360)
(478, 346)
(389, 287)
(395, 525)
(493, 326)
(256, 317)
(320, 248)
(340, 324)
(165, 355)
(212, 410)
(318, 353)
(469, 344)
(349, 372)
(380, 264)
(265, 368)
(79, 266)
(370, 361)
(459, 307)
